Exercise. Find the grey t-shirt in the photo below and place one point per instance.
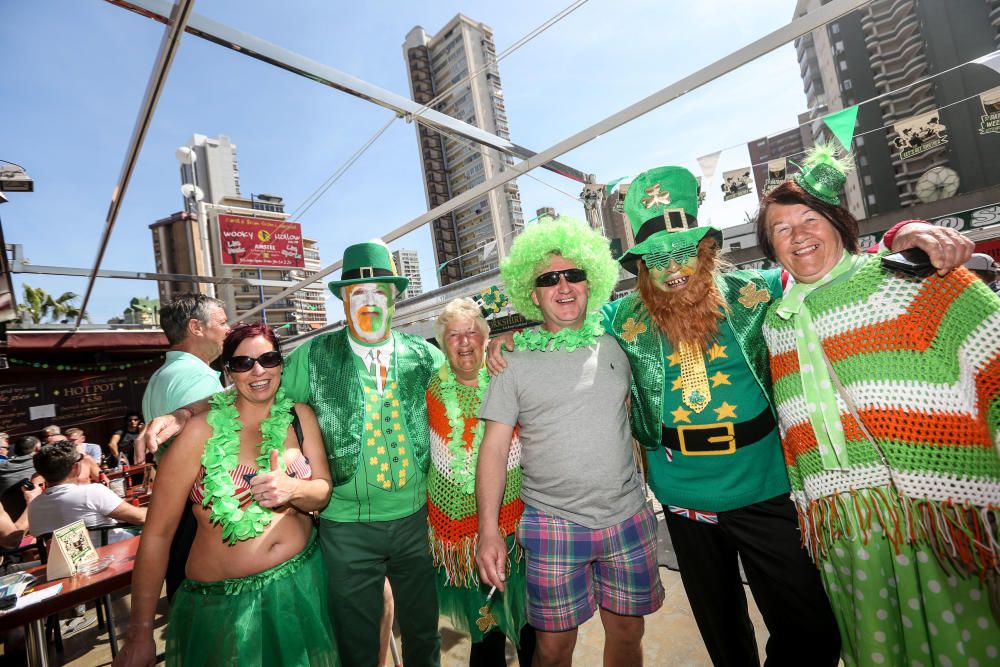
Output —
(576, 445)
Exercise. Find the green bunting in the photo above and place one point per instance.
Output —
(842, 123)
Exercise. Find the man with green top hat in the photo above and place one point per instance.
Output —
(366, 384)
(701, 407)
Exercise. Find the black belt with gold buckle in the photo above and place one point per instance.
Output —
(721, 438)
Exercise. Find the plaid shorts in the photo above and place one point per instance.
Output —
(571, 569)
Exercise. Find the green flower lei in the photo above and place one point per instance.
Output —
(463, 459)
(546, 341)
(222, 455)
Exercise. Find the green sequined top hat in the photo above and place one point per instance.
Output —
(823, 174)
(662, 207)
(368, 262)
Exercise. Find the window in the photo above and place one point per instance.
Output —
(871, 200)
(863, 161)
(834, 28)
(847, 84)
(838, 47)
(843, 65)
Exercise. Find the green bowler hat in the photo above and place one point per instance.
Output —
(368, 262)
(662, 207)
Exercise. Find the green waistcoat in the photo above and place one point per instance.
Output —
(628, 320)
(337, 398)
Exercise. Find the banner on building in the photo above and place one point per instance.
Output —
(777, 172)
(919, 134)
(990, 120)
(975, 218)
(247, 241)
(735, 183)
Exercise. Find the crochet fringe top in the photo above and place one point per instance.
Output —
(452, 513)
(921, 362)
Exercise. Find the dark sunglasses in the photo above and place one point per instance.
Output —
(552, 277)
(243, 364)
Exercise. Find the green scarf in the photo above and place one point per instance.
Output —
(817, 388)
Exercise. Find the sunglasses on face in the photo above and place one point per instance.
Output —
(242, 364)
(552, 277)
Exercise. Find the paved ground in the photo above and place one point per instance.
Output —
(671, 637)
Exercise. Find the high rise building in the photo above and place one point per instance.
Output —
(438, 66)
(886, 49)
(183, 244)
(407, 264)
(214, 169)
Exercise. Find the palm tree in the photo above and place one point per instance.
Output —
(37, 303)
(64, 309)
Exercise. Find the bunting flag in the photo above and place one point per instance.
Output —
(990, 120)
(777, 172)
(842, 123)
(708, 163)
(918, 134)
(991, 60)
(610, 187)
(489, 249)
(735, 183)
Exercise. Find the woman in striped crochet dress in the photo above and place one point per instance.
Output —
(887, 389)
(453, 399)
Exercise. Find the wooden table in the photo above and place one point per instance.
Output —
(75, 590)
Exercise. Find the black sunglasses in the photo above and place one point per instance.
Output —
(243, 364)
(552, 277)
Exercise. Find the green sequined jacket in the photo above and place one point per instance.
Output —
(628, 320)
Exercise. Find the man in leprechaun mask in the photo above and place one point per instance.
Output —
(700, 406)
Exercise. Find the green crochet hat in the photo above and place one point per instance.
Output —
(368, 262)
(662, 207)
(823, 174)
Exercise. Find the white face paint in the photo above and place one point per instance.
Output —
(369, 308)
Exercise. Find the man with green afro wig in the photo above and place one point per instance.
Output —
(588, 537)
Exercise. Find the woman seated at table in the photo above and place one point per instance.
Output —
(254, 465)
(453, 401)
(887, 389)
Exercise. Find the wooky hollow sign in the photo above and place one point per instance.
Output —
(246, 241)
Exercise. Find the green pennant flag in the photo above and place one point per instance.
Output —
(441, 268)
(842, 123)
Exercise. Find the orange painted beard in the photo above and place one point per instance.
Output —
(691, 314)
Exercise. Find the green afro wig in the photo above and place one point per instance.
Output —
(574, 240)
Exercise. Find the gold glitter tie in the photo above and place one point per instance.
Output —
(694, 378)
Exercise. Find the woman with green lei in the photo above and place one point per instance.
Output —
(453, 401)
(254, 466)
(887, 389)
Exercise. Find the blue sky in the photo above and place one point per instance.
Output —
(75, 73)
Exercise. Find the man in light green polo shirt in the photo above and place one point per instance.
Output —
(195, 325)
